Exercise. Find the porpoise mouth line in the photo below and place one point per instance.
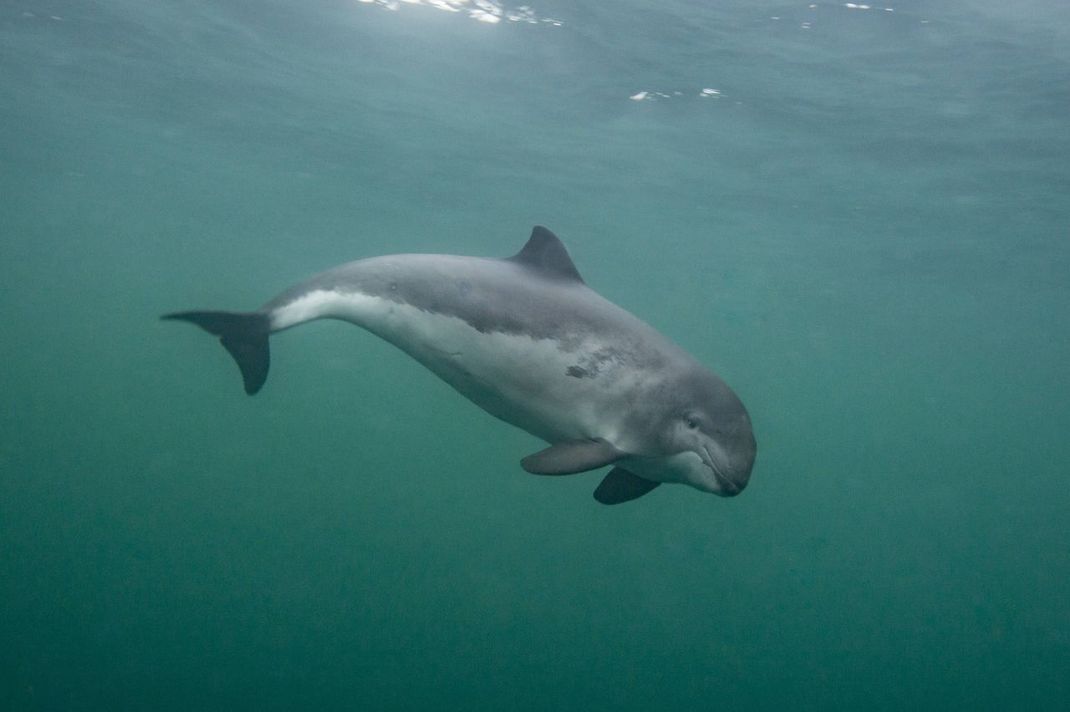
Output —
(722, 479)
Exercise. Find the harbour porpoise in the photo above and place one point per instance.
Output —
(528, 341)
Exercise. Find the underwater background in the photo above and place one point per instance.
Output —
(859, 216)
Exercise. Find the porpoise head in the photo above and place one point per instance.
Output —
(705, 435)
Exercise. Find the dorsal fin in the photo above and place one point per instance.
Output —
(547, 255)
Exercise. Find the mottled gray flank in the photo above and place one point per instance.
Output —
(507, 296)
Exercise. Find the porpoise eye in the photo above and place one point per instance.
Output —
(692, 423)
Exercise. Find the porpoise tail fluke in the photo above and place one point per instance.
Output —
(243, 334)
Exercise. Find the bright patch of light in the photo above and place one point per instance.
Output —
(522, 14)
(486, 11)
(675, 95)
(490, 12)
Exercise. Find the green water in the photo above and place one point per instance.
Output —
(862, 225)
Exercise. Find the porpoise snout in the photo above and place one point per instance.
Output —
(734, 479)
(729, 488)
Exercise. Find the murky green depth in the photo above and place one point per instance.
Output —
(859, 217)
